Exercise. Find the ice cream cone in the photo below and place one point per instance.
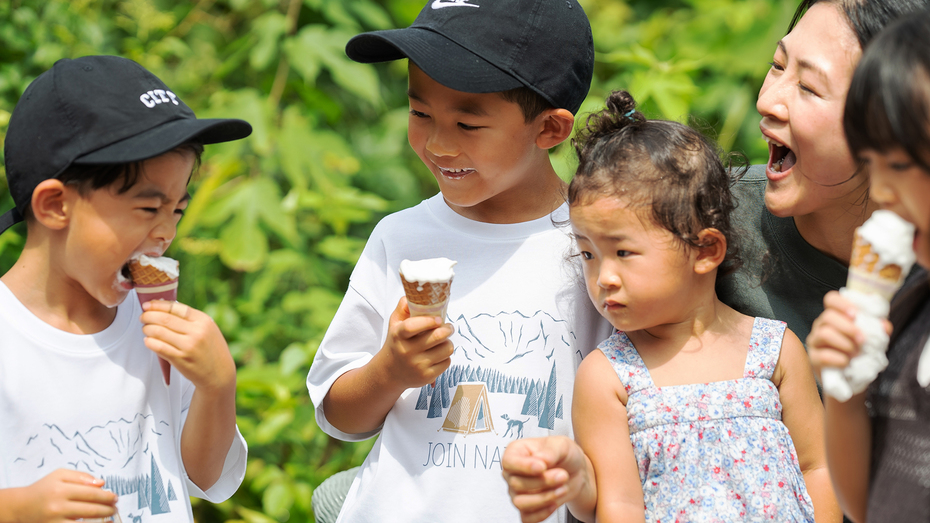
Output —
(154, 279)
(869, 273)
(428, 285)
(881, 257)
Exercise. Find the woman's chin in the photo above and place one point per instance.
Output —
(780, 200)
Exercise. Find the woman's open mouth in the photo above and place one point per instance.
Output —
(781, 158)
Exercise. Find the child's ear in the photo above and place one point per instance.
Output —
(556, 127)
(712, 252)
(50, 204)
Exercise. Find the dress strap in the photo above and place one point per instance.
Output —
(764, 348)
(626, 362)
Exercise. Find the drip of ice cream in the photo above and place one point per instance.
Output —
(882, 256)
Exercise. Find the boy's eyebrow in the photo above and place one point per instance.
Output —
(806, 64)
(155, 193)
(469, 108)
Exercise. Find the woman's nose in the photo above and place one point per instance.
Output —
(773, 100)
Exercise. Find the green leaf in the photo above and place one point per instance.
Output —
(244, 244)
(317, 46)
(293, 358)
(278, 498)
(269, 28)
(272, 425)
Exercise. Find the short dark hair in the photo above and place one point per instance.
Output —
(90, 177)
(866, 17)
(531, 103)
(664, 166)
(888, 104)
(97, 176)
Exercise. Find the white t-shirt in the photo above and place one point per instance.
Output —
(98, 404)
(523, 323)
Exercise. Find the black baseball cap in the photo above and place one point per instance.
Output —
(97, 110)
(484, 46)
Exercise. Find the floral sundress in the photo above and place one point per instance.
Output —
(715, 451)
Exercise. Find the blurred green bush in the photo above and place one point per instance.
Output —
(278, 220)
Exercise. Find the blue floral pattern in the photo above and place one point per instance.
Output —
(716, 451)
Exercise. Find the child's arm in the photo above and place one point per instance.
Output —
(417, 350)
(802, 413)
(63, 495)
(833, 340)
(601, 428)
(193, 344)
(544, 473)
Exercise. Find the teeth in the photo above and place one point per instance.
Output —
(454, 171)
(772, 141)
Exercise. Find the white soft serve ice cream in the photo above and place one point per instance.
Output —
(891, 239)
(162, 263)
(433, 270)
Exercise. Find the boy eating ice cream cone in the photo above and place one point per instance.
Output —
(98, 156)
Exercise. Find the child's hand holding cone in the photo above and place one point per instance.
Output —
(191, 341)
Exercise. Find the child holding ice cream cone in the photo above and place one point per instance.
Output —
(493, 85)
(877, 437)
(98, 154)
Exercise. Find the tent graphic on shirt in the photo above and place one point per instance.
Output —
(469, 412)
(497, 349)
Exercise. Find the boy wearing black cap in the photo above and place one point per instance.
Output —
(493, 85)
(98, 156)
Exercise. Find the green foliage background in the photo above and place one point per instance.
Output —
(278, 220)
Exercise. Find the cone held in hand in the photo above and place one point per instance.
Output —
(428, 285)
(156, 279)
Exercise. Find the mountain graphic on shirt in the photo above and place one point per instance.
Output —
(104, 450)
(501, 346)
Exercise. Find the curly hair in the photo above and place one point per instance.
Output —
(670, 170)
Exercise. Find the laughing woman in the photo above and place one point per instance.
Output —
(797, 213)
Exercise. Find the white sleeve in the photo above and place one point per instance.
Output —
(232, 476)
(352, 339)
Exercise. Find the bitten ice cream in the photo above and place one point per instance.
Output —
(427, 284)
(156, 279)
(881, 258)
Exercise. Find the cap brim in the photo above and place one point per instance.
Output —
(166, 137)
(9, 219)
(440, 58)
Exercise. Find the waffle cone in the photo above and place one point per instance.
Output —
(427, 298)
(867, 273)
(153, 284)
(147, 275)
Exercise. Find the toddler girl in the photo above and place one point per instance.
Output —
(686, 410)
(877, 441)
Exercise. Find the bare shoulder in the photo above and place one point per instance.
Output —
(597, 378)
(792, 360)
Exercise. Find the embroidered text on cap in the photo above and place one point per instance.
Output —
(438, 4)
(157, 96)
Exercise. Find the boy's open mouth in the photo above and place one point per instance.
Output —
(781, 158)
(125, 275)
